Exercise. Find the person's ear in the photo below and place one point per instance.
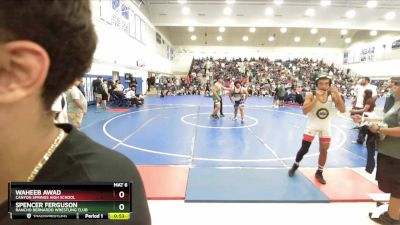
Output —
(23, 69)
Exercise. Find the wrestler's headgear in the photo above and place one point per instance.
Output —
(321, 76)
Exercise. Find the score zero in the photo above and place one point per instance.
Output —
(121, 194)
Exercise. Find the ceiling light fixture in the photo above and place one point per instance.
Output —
(325, 3)
(322, 40)
(310, 12)
(297, 39)
(227, 11)
(271, 38)
(372, 4)
(269, 11)
(193, 37)
(344, 32)
(390, 15)
(221, 29)
(245, 38)
(252, 29)
(219, 38)
(373, 33)
(283, 30)
(230, 1)
(191, 29)
(347, 40)
(314, 31)
(350, 14)
(278, 2)
(185, 10)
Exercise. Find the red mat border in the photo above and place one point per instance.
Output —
(309, 173)
(144, 171)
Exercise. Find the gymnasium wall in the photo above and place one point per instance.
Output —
(374, 56)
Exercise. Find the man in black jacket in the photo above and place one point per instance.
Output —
(389, 102)
(97, 87)
(45, 45)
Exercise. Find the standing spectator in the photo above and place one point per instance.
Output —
(97, 87)
(148, 84)
(390, 99)
(134, 81)
(77, 104)
(104, 94)
(280, 92)
(157, 81)
(207, 90)
(81, 87)
(152, 80)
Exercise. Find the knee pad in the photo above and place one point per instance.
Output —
(305, 146)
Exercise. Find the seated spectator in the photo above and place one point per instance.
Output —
(119, 86)
(131, 95)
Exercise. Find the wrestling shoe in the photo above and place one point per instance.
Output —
(320, 177)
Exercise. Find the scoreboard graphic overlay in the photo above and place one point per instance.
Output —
(94, 200)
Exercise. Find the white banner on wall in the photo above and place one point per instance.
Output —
(119, 15)
(396, 44)
(366, 54)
